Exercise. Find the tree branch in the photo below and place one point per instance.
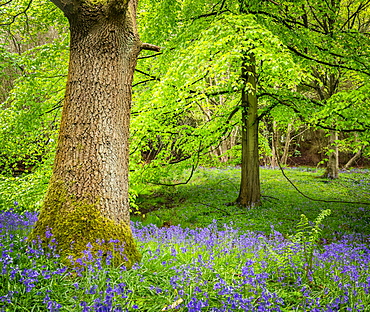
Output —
(149, 56)
(144, 81)
(58, 105)
(18, 14)
(148, 75)
(294, 50)
(67, 6)
(150, 47)
(5, 3)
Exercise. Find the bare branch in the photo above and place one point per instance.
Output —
(5, 3)
(150, 47)
(149, 56)
(324, 62)
(142, 82)
(18, 14)
(57, 105)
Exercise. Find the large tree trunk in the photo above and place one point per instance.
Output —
(87, 198)
(249, 194)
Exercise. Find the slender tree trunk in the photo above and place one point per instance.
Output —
(325, 92)
(332, 167)
(87, 198)
(353, 159)
(249, 194)
(284, 157)
(274, 145)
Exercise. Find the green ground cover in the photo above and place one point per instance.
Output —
(205, 199)
(220, 258)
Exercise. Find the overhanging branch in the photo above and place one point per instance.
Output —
(294, 50)
(18, 14)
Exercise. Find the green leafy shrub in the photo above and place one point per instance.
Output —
(23, 193)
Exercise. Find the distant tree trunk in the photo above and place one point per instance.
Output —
(329, 86)
(274, 145)
(353, 159)
(87, 198)
(288, 140)
(332, 167)
(250, 193)
(226, 142)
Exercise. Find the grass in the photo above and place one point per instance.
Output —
(221, 258)
(203, 200)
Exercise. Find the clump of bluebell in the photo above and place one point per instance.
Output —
(216, 268)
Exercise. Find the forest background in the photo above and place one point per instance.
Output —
(311, 85)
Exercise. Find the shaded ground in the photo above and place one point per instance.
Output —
(204, 199)
(158, 200)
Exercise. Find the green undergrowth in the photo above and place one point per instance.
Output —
(214, 268)
(208, 264)
(205, 199)
(25, 192)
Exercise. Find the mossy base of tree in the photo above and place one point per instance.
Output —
(74, 224)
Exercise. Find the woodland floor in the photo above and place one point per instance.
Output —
(205, 199)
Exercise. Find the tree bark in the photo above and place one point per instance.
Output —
(332, 167)
(249, 193)
(87, 198)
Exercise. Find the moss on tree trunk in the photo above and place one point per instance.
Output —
(74, 224)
